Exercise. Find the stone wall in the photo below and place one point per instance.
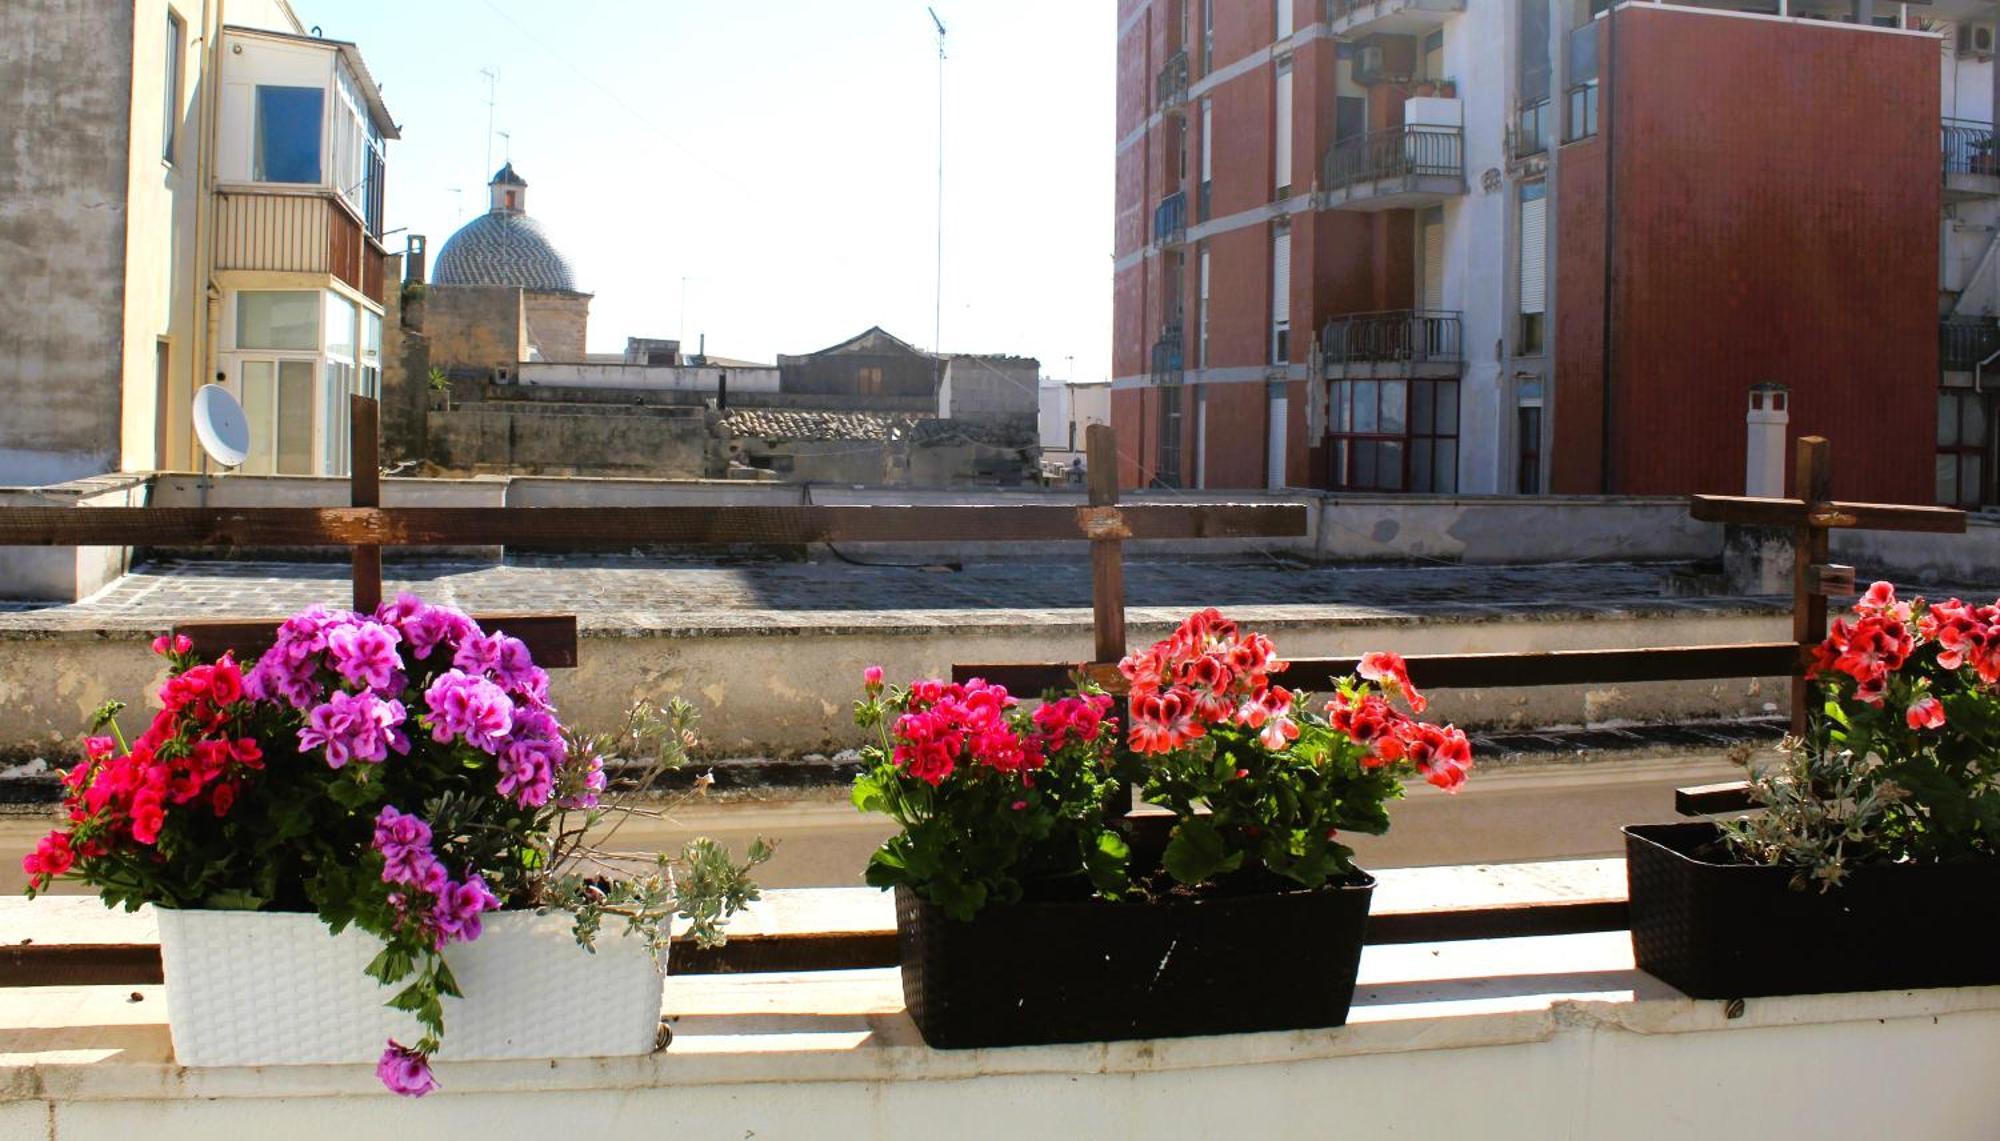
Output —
(554, 439)
(65, 109)
(990, 388)
(558, 324)
(475, 330)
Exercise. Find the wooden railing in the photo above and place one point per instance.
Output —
(367, 527)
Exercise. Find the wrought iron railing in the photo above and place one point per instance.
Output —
(1171, 87)
(1531, 129)
(1170, 219)
(1413, 151)
(1341, 9)
(1964, 342)
(1968, 147)
(1169, 354)
(1412, 335)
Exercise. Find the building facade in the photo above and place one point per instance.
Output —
(1366, 244)
(200, 199)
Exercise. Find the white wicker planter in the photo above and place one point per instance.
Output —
(249, 988)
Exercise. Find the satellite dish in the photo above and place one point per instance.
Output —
(221, 426)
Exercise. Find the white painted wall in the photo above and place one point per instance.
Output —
(1479, 53)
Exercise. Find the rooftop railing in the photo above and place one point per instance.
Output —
(1407, 335)
(1170, 219)
(1964, 343)
(1967, 146)
(1412, 151)
(1170, 88)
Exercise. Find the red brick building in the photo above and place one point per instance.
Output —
(1361, 244)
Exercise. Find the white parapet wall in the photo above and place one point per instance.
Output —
(1508, 1040)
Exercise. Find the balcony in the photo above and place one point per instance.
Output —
(1170, 219)
(1349, 18)
(1170, 88)
(1963, 342)
(1970, 167)
(1413, 343)
(1169, 355)
(295, 233)
(1414, 165)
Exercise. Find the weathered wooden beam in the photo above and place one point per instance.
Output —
(1473, 671)
(1107, 550)
(1757, 512)
(1705, 799)
(623, 527)
(551, 638)
(365, 490)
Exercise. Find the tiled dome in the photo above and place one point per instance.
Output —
(504, 247)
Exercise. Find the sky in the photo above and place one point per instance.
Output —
(767, 173)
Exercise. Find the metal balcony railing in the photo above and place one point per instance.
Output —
(1414, 336)
(1170, 219)
(1968, 147)
(1964, 342)
(1170, 88)
(1169, 355)
(1412, 151)
(1531, 129)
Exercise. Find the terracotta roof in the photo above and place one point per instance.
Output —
(785, 424)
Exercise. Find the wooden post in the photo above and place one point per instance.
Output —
(364, 489)
(1813, 473)
(1107, 546)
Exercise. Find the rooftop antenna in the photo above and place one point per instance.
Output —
(492, 75)
(937, 293)
(458, 200)
(506, 147)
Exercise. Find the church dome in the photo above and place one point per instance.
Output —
(505, 246)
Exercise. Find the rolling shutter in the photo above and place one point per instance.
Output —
(1534, 255)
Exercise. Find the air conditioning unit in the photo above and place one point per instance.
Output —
(1367, 64)
(1975, 40)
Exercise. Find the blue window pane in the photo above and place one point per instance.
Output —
(288, 121)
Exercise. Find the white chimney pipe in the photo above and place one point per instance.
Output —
(1764, 457)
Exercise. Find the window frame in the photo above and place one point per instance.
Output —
(259, 136)
(176, 67)
(1347, 443)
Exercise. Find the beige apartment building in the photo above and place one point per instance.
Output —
(194, 194)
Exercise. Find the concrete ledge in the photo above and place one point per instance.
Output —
(1525, 1038)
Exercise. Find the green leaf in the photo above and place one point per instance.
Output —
(1197, 853)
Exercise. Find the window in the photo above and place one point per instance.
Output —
(356, 152)
(1207, 160)
(1281, 292)
(1207, 35)
(1535, 77)
(1169, 470)
(1281, 141)
(1531, 334)
(1201, 313)
(1962, 447)
(163, 380)
(371, 354)
(1433, 64)
(277, 402)
(274, 320)
(868, 381)
(176, 47)
(1582, 119)
(1528, 449)
(1395, 435)
(288, 130)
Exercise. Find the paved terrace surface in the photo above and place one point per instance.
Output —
(631, 595)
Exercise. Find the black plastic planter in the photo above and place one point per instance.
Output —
(1090, 971)
(1725, 930)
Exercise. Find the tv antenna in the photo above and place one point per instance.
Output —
(506, 146)
(492, 75)
(937, 292)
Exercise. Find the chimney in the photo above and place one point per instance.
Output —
(1764, 457)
